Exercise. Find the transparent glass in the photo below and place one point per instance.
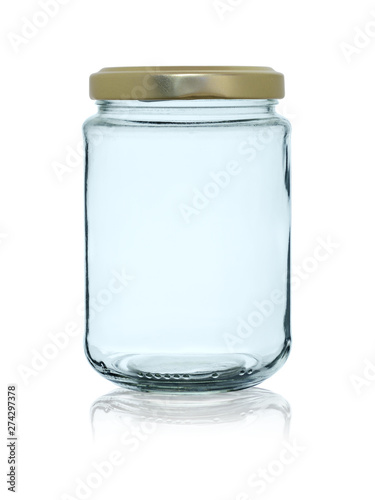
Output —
(187, 243)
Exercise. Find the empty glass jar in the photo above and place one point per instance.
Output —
(187, 227)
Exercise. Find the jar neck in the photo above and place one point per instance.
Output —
(187, 109)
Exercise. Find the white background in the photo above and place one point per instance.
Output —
(329, 380)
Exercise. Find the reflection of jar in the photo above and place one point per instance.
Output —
(118, 407)
(187, 227)
(199, 445)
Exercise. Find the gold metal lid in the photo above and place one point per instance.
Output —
(187, 82)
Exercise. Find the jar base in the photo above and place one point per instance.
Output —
(186, 372)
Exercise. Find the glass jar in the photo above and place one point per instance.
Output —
(187, 227)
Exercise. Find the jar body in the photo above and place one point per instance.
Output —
(188, 243)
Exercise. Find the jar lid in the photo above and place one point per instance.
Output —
(187, 82)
